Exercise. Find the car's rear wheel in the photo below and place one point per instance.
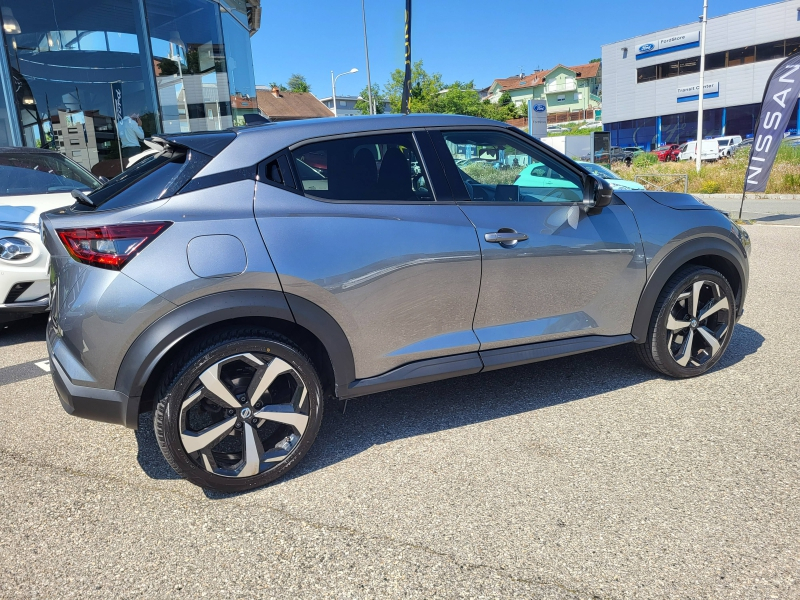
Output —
(692, 323)
(239, 410)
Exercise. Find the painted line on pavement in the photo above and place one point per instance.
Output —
(29, 370)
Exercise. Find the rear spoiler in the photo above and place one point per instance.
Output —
(208, 143)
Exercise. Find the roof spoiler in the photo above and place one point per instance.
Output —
(209, 143)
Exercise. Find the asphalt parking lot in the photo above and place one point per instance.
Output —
(585, 477)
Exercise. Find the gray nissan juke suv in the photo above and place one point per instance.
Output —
(234, 280)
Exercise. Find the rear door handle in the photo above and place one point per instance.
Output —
(505, 236)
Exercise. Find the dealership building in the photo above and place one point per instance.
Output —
(181, 66)
(650, 82)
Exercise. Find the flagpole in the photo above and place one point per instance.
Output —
(699, 151)
(372, 110)
(405, 102)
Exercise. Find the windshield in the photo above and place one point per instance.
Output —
(25, 173)
(599, 171)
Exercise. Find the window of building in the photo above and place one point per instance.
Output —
(364, 168)
(497, 167)
(769, 51)
(720, 60)
(239, 62)
(741, 56)
(188, 52)
(647, 74)
(561, 98)
(716, 60)
(669, 69)
(68, 82)
(689, 65)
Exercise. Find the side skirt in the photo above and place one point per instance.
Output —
(435, 369)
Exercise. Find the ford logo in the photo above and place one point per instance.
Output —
(647, 47)
(539, 107)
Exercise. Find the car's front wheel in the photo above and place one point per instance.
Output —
(691, 325)
(239, 409)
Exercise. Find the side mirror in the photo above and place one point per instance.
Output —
(598, 193)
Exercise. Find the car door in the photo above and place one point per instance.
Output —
(551, 269)
(354, 226)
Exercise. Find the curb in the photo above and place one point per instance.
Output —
(751, 196)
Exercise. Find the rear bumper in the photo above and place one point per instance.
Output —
(108, 406)
(33, 306)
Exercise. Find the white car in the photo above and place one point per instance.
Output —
(31, 181)
(709, 150)
(728, 145)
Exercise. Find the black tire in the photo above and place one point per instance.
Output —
(232, 356)
(665, 346)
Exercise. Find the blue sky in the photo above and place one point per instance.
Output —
(461, 39)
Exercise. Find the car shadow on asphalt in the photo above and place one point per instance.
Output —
(388, 416)
(22, 330)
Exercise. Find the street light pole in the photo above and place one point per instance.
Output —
(333, 86)
(366, 52)
(699, 150)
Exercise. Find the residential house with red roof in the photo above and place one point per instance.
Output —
(565, 89)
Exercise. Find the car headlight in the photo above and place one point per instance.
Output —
(744, 237)
(12, 248)
(14, 226)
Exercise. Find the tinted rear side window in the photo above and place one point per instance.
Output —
(366, 168)
(152, 178)
(24, 173)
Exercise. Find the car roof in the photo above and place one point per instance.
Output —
(268, 138)
(26, 150)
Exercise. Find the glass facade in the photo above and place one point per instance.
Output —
(174, 61)
(682, 127)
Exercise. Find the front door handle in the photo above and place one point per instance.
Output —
(506, 237)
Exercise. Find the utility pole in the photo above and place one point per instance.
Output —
(703, 21)
(366, 52)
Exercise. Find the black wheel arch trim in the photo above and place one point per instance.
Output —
(679, 256)
(160, 337)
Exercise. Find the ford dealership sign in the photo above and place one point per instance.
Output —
(673, 43)
(539, 107)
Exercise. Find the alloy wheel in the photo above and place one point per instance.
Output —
(697, 324)
(244, 415)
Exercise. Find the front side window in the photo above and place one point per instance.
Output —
(24, 173)
(497, 167)
(384, 168)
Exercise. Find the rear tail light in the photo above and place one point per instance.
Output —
(110, 246)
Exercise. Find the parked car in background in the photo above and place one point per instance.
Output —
(229, 295)
(616, 182)
(709, 150)
(728, 145)
(668, 152)
(626, 154)
(792, 140)
(31, 181)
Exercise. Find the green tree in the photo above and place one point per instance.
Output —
(594, 60)
(505, 98)
(280, 86)
(298, 83)
(378, 98)
(424, 88)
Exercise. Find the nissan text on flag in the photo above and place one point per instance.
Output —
(779, 101)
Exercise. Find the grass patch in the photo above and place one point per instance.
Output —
(725, 176)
